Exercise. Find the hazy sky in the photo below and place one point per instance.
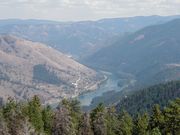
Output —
(73, 10)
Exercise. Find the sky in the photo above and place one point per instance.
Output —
(77, 10)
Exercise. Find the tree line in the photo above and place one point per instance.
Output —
(32, 118)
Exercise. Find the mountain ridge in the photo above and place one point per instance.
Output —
(145, 53)
(78, 39)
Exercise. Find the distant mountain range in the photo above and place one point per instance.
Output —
(79, 39)
(142, 49)
(30, 68)
(151, 55)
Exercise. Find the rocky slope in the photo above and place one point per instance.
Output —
(29, 68)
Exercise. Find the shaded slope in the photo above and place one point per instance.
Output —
(151, 54)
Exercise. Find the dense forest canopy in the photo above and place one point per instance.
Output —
(31, 118)
(143, 100)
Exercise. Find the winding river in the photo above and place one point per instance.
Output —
(109, 85)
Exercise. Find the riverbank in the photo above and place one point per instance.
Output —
(109, 84)
(107, 88)
(95, 86)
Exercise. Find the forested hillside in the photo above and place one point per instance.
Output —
(139, 100)
(31, 118)
(143, 100)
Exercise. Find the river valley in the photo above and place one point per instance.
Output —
(111, 84)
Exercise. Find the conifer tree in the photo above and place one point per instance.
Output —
(155, 131)
(98, 120)
(74, 108)
(112, 121)
(157, 118)
(141, 125)
(47, 116)
(172, 117)
(3, 125)
(62, 123)
(34, 111)
(125, 124)
(84, 126)
(17, 123)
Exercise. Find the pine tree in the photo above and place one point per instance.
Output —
(17, 123)
(141, 125)
(112, 121)
(155, 131)
(172, 117)
(62, 123)
(98, 120)
(47, 116)
(3, 125)
(12, 117)
(126, 124)
(74, 108)
(34, 112)
(84, 126)
(157, 118)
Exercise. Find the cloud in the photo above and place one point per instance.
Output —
(85, 9)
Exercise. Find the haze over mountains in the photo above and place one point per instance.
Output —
(141, 51)
(151, 55)
(78, 39)
(113, 76)
(30, 68)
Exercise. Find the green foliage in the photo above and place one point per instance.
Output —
(143, 100)
(172, 117)
(17, 123)
(126, 124)
(32, 119)
(75, 111)
(100, 108)
(141, 126)
(35, 113)
(157, 118)
(98, 120)
(112, 121)
(62, 123)
(3, 125)
(47, 117)
(13, 116)
(155, 131)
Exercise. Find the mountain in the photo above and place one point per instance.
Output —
(79, 39)
(151, 54)
(30, 68)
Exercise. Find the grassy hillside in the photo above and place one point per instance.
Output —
(30, 68)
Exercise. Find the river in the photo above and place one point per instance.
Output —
(109, 85)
